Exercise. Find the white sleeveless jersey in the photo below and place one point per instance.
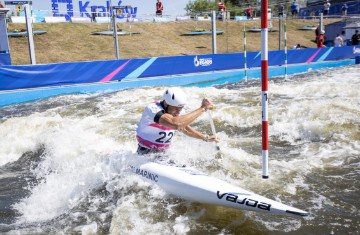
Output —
(151, 134)
(337, 42)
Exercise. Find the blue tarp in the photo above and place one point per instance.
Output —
(32, 76)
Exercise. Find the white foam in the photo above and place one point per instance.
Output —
(89, 143)
(21, 134)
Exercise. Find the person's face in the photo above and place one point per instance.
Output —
(174, 111)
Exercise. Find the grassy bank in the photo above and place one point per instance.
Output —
(67, 42)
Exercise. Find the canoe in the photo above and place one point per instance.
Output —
(191, 184)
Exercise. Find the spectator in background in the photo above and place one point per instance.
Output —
(343, 37)
(295, 8)
(281, 10)
(344, 9)
(249, 12)
(355, 38)
(159, 8)
(94, 15)
(338, 42)
(297, 46)
(326, 8)
(221, 8)
(321, 40)
(317, 33)
(1, 5)
(221, 5)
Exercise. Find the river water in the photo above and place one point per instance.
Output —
(63, 160)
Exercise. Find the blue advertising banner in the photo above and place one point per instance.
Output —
(32, 76)
(335, 9)
(4, 59)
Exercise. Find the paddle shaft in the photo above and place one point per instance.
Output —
(213, 128)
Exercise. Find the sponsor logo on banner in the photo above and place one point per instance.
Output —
(17, 2)
(86, 8)
(356, 50)
(202, 61)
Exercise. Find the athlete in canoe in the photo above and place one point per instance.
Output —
(161, 119)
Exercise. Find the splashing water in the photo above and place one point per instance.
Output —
(63, 160)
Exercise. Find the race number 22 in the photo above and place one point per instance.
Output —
(165, 138)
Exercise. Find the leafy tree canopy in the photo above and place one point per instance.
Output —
(235, 6)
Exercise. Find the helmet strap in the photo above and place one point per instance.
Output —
(165, 106)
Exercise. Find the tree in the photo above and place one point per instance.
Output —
(199, 5)
(236, 7)
(206, 5)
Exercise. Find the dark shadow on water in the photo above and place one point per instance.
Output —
(15, 178)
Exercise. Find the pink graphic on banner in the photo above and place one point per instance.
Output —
(113, 73)
(313, 56)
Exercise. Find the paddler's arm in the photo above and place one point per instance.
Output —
(189, 131)
(180, 122)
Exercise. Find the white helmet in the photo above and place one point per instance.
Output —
(175, 97)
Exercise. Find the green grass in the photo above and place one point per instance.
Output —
(68, 42)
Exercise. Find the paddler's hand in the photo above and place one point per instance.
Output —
(214, 139)
(207, 104)
(211, 139)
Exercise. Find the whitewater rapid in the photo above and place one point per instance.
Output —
(64, 160)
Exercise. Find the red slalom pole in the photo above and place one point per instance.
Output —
(264, 88)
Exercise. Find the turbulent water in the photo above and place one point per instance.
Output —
(64, 160)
